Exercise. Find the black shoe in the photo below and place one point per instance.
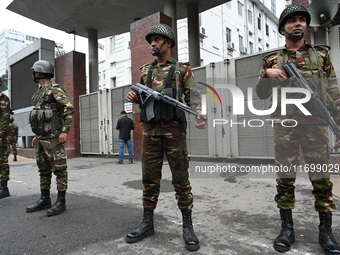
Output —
(4, 192)
(120, 162)
(286, 237)
(326, 238)
(43, 203)
(131, 162)
(191, 240)
(145, 229)
(59, 206)
(15, 158)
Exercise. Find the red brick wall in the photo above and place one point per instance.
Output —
(71, 75)
(141, 54)
(308, 31)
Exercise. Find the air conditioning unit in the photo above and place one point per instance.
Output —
(231, 46)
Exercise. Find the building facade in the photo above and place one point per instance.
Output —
(231, 30)
(10, 43)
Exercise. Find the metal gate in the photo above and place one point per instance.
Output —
(100, 111)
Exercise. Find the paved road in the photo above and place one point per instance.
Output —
(234, 213)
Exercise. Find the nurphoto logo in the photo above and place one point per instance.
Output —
(239, 101)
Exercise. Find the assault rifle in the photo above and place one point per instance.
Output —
(299, 81)
(148, 96)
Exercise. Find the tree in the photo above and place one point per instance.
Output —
(4, 85)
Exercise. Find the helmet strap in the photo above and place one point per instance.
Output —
(156, 52)
(294, 35)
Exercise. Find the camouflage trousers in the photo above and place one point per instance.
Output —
(4, 167)
(13, 144)
(175, 149)
(313, 141)
(51, 157)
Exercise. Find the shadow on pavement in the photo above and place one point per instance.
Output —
(87, 220)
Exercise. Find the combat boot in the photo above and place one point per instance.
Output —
(286, 237)
(59, 206)
(3, 189)
(15, 158)
(191, 241)
(43, 203)
(326, 238)
(145, 228)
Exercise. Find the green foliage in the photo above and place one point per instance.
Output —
(4, 85)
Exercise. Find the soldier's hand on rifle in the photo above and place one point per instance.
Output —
(34, 142)
(337, 144)
(277, 74)
(200, 122)
(62, 138)
(132, 97)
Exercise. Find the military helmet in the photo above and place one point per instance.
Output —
(293, 8)
(164, 30)
(43, 66)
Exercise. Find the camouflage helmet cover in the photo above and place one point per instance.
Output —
(293, 8)
(164, 30)
(43, 66)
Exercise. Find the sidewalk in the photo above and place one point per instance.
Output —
(234, 213)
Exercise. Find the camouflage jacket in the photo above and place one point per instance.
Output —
(53, 96)
(5, 112)
(186, 83)
(12, 132)
(305, 61)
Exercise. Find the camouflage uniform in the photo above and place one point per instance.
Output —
(167, 137)
(50, 153)
(5, 112)
(13, 137)
(311, 131)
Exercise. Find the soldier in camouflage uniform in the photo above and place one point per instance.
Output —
(5, 112)
(12, 138)
(50, 120)
(166, 133)
(314, 63)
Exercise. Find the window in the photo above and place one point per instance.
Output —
(228, 34)
(113, 82)
(240, 42)
(259, 22)
(260, 49)
(228, 4)
(251, 47)
(250, 16)
(273, 6)
(112, 44)
(240, 8)
(267, 30)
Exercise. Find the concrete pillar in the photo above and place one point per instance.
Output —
(193, 35)
(93, 59)
(170, 9)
